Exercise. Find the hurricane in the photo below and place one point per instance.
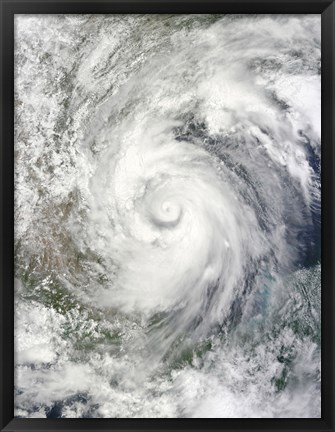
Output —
(167, 216)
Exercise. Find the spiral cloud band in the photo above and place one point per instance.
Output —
(168, 216)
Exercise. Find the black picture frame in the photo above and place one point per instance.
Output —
(8, 9)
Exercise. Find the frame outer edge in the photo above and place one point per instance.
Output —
(13, 425)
